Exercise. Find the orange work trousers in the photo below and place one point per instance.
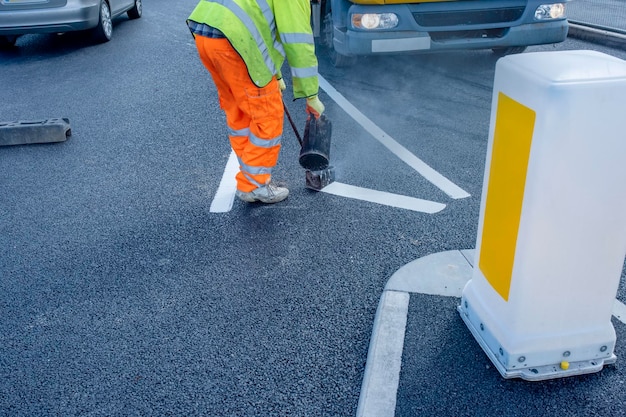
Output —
(254, 115)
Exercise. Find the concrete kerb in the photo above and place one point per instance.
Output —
(598, 34)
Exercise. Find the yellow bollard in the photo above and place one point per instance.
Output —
(551, 236)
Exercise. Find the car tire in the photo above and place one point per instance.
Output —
(338, 60)
(135, 12)
(104, 31)
(500, 52)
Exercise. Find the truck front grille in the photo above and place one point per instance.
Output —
(468, 34)
(468, 17)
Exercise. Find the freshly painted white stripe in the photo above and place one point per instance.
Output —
(384, 198)
(619, 311)
(400, 151)
(223, 200)
(384, 357)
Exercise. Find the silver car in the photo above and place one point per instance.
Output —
(18, 17)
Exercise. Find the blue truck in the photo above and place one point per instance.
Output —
(352, 28)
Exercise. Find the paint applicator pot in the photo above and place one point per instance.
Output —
(315, 151)
(316, 179)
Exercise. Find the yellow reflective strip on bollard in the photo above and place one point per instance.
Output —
(505, 194)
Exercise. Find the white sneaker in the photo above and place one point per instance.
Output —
(267, 194)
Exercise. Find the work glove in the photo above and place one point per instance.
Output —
(314, 106)
(281, 84)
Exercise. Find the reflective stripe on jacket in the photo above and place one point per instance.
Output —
(263, 32)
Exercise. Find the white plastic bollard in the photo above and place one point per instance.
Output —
(551, 236)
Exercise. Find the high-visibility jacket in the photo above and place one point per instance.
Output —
(263, 32)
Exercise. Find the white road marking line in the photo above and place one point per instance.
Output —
(225, 195)
(384, 198)
(441, 273)
(384, 358)
(400, 151)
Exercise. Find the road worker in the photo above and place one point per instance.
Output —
(243, 44)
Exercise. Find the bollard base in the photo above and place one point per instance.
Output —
(526, 371)
(35, 131)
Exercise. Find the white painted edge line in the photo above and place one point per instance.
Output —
(384, 358)
(381, 378)
(225, 195)
(441, 182)
(384, 198)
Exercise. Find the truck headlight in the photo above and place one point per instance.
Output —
(550, 11)
(374, 20)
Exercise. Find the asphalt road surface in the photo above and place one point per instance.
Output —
(122, 293)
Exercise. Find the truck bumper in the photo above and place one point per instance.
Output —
(369, 43)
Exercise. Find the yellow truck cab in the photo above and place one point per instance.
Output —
(349, 28)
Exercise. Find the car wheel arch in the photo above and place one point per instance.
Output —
(136, 11)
